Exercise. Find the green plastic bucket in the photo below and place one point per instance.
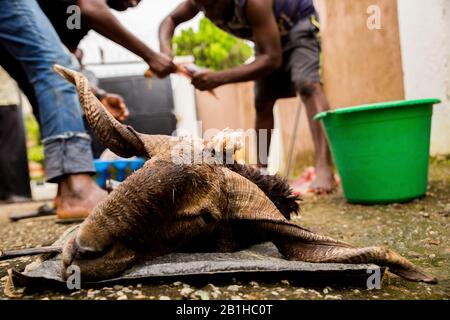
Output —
(381, 150)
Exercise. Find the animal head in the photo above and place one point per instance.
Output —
(164, 204)
(156, 210)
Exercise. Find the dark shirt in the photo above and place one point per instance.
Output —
(56, 12)
(287, 14)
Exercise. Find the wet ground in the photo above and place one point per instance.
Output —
(419, 230)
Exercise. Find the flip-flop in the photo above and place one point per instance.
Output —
(69, 220)
(72, 216)
(42, 211)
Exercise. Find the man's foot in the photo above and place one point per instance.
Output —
(324, 182)
(78, 194)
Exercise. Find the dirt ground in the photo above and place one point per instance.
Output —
(419, 230)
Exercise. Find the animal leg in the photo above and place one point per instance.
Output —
(299, 244)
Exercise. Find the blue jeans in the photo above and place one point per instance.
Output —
(33, 47)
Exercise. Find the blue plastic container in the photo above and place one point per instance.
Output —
(115, 169)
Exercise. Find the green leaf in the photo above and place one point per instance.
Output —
(212, 47)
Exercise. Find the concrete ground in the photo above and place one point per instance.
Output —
(419, 230)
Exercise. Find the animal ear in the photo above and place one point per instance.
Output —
(275, 187)
(120, 139)
(249, 204)
(246, 201)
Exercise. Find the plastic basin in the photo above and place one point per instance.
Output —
(381, 150)
(136, 164)
(102, 169)
(120, 166)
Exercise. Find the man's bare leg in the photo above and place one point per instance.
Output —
(315, 101)
(264, 121)
(78, 194)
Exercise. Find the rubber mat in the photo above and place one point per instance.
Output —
(261, 261)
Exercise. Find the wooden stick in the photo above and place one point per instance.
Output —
(182, 71)
(5, 255)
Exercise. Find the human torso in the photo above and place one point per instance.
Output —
(287, 14)
(58, 14)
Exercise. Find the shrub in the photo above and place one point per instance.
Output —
(35, 148)
(212, 47)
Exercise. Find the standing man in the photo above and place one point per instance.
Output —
(29, 47)
(286, 36)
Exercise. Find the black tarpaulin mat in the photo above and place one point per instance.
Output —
(261, 261)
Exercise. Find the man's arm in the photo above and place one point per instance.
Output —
(184, 12)
(266, 37)
(100, 17)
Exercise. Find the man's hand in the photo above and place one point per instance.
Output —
(116, 106)
(205, 80)
(161, 65)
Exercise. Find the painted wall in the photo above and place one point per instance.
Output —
(361, 65)
(425, 47)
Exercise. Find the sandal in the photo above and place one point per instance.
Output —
(42, 211)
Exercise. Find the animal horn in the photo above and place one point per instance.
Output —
(120, 139)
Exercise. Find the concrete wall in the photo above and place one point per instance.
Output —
(9, 94)
(361, 65)
(425, 47)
